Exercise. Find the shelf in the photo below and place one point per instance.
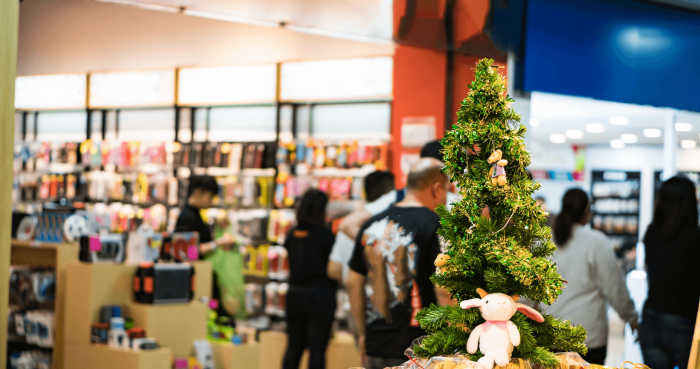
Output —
(615, 214)
(222, 171)
(630, 197)
(58, 256)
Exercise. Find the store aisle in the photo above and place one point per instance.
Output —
(616, 339)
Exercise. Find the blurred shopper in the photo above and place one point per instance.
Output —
(672, 245)
(380, 194)
(394, 252)
(311, 299)
(201, 195)
(433, 149)
(586, 260)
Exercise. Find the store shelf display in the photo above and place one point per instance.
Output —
(615, 210)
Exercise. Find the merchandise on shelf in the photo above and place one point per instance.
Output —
(615, 210)
(281, 221)
(29, 359)
(164, 283)
(278, 263)
(102, 247)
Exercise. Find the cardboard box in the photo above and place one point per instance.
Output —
(340, 354)
(228, 356)
(79, 356)
(173, 326)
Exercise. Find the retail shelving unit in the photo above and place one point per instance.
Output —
(56, 256)
(615, 208)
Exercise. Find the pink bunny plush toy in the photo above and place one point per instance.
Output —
(497, 337)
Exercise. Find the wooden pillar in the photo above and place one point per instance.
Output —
(9, 20)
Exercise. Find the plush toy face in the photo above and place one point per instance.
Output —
(496, 156)
(497, 306)
(441, 260)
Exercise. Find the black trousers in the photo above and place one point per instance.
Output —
(596, 355)
(310, 313)
(666, 339)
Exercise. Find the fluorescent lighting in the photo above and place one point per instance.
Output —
(684, 127)
(688, 144)
(619, 121)
(574, 133)
(557, 138)
(652, 132)
(231, 18)
(58, 91)
(132, 89)
(534, 122)
(340, 79)
(617, 144)
(227, 85)
(628, 138)
(595, 127)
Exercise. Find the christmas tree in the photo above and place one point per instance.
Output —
(495, 236)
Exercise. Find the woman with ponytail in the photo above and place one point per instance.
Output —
(586, 260)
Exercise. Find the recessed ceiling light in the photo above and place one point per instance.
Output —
(684, 127)
(557, 138)
(534, 122)
(595, 127)
(617, 144)
(574, 133)
(619, 121)
(688, 144)
(652, 132)
(628, 138)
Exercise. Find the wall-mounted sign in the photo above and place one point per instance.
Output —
(417, 131)
(132, 89)
(59, 91)
(342, 79)
(227, 85)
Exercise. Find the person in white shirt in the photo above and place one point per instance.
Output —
(380, 193)
(586, 260)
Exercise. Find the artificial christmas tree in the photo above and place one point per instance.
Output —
(495, 236)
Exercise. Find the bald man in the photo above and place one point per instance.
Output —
(389, 277)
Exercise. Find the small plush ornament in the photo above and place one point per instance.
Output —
(498, 335)
(497, 172)
(441, 262)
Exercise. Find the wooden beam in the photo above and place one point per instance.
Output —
(9, 22)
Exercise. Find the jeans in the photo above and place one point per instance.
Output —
(596, 355)
(310, 313)
(381, 363)
(665, 339)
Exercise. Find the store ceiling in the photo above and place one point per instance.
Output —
(365, 20)
(77, 36)
(555, 114)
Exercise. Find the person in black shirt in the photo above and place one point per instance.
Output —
(201, 196)
(672, 247)
(311, 299)
(393, 260)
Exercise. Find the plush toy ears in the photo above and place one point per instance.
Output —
(529, 312)
(481, 292)
(468, 304)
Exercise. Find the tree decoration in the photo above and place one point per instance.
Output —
(496, 235)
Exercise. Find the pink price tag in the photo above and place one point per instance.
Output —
(192, 253)
(95, 244)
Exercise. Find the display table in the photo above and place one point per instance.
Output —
(340, 354)
(56, 256)
(173, 326)
(80, 356)
(228, 356)
(91, 286)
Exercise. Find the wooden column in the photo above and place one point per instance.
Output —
(9, 20)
